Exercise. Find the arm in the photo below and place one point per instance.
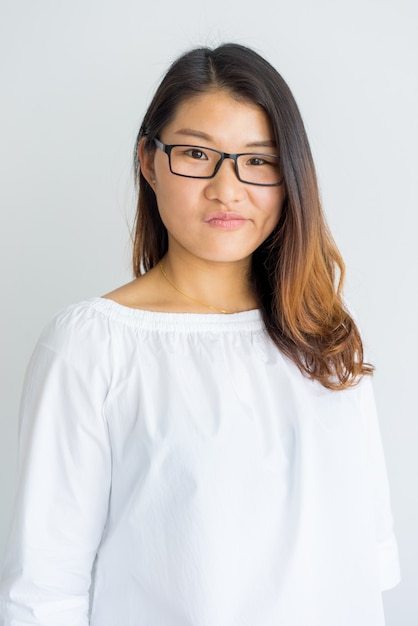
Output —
(386, 541)
(62, 495)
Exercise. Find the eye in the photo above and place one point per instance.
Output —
(255, 161)
(197, 154)
(259, 159)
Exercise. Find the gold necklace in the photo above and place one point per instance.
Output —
(183, 293)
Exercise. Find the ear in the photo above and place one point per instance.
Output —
(146, 160)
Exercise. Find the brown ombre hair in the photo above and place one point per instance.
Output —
(298, 271)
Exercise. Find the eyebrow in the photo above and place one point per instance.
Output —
(189, 132)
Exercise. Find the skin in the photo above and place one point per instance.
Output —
(208, 258)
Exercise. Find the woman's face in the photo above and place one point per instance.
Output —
(220, 219)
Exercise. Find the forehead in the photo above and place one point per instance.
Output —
(217, 115)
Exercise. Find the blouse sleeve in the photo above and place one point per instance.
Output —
(386, 542)
(63, 487)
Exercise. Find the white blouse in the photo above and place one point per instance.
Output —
(178, 470)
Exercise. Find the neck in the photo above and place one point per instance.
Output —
(221, 287)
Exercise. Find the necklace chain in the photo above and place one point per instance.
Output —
(183, 293)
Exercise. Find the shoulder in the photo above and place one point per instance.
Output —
(80, 331)
(73, 355)
(75, 318)
(146, 292)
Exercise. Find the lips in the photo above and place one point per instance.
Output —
(225, 220)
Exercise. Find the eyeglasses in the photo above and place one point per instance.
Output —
(253, 168)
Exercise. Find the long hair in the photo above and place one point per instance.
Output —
(298, 272)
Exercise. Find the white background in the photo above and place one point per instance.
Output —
(76, 76)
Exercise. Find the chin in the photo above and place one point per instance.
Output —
(227, 258)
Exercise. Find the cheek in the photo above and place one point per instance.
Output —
(173, 205)
(178, 197)
(272, 204)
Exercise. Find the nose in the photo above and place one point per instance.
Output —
(225, 186)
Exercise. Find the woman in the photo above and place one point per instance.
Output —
(200, 447)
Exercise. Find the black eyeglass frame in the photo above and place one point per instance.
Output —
(223, 155)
